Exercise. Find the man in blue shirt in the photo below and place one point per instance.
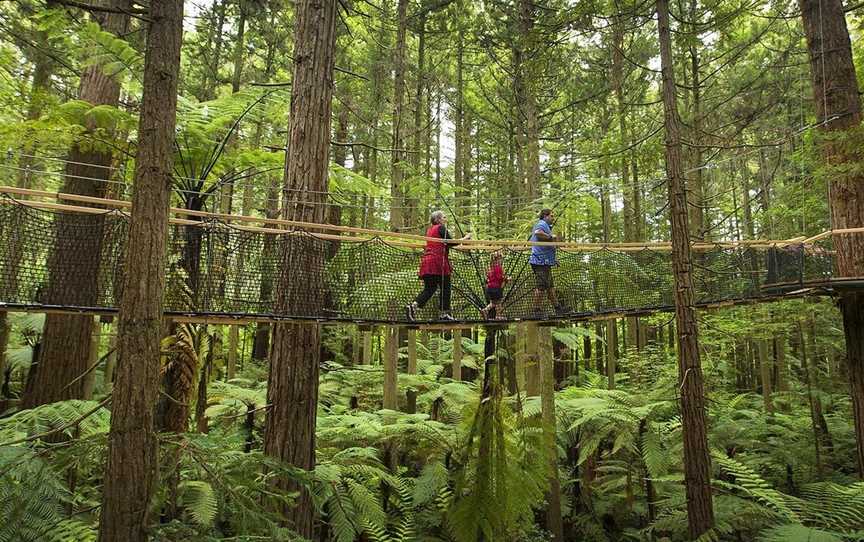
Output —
(542, 259)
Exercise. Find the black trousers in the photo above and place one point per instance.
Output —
(430, 285)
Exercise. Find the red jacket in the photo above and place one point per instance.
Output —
(435, 260)
(495, 276)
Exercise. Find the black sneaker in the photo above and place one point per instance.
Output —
(411, 312)
(447, 317)
(561, 310)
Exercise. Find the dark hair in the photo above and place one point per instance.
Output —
(544, 213)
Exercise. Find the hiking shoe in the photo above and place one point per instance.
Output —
(411, 311)
(485, 313)
(447, 317)
(561, 309)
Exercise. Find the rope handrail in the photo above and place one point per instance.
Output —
(475, 244)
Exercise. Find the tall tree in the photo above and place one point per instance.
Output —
(697, 461)
(292, 391)
(66, 344)
(397, 153)
(130, 472)
(838, 111)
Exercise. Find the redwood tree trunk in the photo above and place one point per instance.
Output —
(838, 110)
(66, 338)
(130, 472)
(697, 475)
(292, 393)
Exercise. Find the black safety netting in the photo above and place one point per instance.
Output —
(75, 261)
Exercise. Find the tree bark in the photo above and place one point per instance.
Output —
(239, 47)
(457, 354)
(292, 393)
(554, 522)
(130, 472)
(611, 352)
(765, 370)
(838, 110)
(66, 337)
(391, 367)
(397, 163)
(697, 474)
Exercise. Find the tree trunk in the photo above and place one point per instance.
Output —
(618, 79)
(211, 78)
(611, 352)
(289, 433)
(397, 165)
(391, 367)
(66, 337)
(457, 354)
(43, 68)
(532, 363)
(239, 47)
(231, 362)
(696, 191)
(765, 372)
(838, 110)
(130, 472)
(554, 523)
(697, 474)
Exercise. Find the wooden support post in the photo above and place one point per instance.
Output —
(367, 347)
(391, 358)
(641, 335)
(532, 364)
(231, 363)
(90, 378)
(411, 394)
(457, 354)
(780, 363)
(521, 352)
(600, 347)
(111, 362)
(611, 353)
(547, 401)
(765, 373)
(355, 346)
(412, 351)
(632, 333)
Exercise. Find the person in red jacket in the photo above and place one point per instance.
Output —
(435, 269)
(495, 280)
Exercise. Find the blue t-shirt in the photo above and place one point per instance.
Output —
(542, 255)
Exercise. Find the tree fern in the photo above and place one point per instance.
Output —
(794, 532)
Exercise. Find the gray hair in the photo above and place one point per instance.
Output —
(436, 217)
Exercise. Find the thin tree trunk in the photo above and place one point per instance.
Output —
(457, 354)
(611, 353)
(554, 522)
(697, 459)
(397, 165)
(765, 372)
(292, 393)
(239, 47)
(130, 472)
(532, 363)
(391, 367)
(231, 362)
(838, 110)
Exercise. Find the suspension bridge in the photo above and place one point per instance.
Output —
(66, 253)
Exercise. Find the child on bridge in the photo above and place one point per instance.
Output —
(495, 280)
